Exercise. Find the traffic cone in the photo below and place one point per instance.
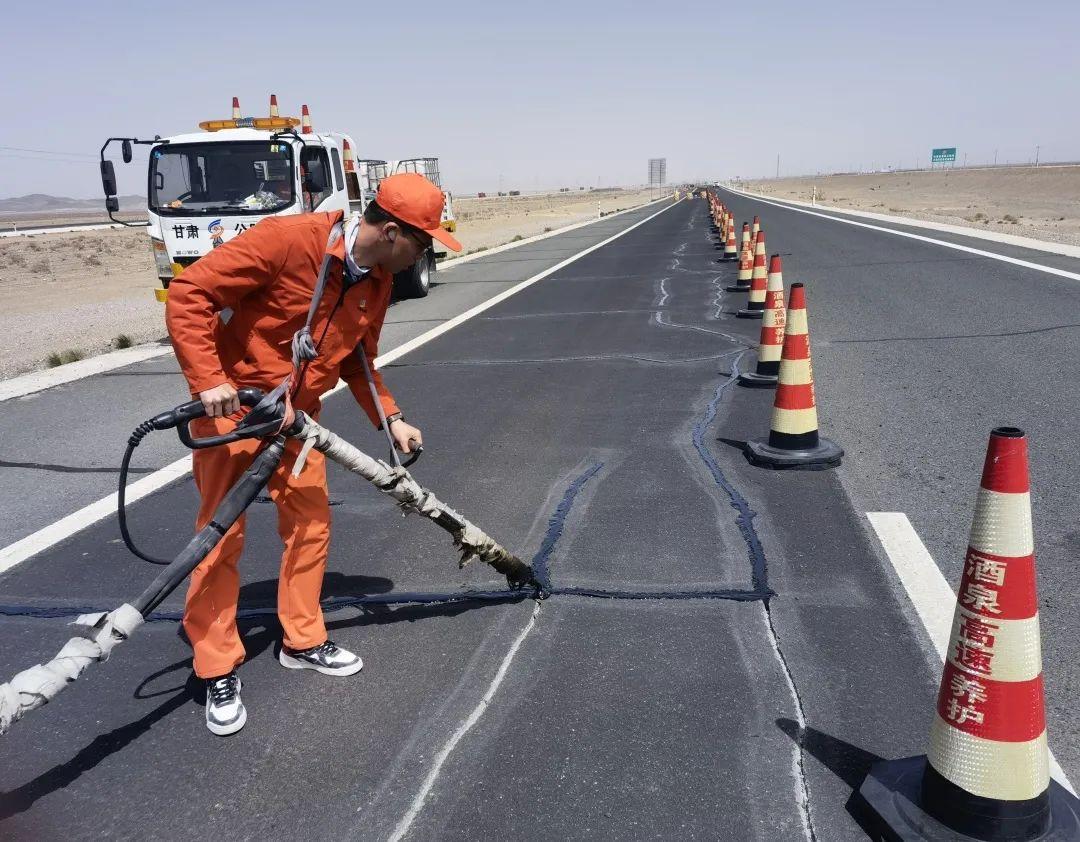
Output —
(771, 340)
(754, 230)
(729, 249)
(793, 436)
(236, 108)
(986, 774)
(305, 120)
(746, 239)
(746, 263)
(273, 106)
(349, 161)
(757, 273)
(755, 305)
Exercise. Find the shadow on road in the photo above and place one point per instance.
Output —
(848, 762)
(259, 634)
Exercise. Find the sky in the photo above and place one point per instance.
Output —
(533, 96)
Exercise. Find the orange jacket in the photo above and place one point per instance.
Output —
(266, 276)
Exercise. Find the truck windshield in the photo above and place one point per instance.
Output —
(206, 178)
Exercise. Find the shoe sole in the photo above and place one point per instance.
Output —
(292, 663)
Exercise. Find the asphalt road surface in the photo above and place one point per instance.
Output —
(591, 423)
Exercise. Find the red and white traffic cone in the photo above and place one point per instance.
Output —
(305, 120)
(273, 106)
(771, 340)
(757, 268)
(746, 265)
(793, 435)
(348, 160)
(755, 305)
(754, 231)
(236, 108)
(730, 252)
(986, 774)
(746, 239)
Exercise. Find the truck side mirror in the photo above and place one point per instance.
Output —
(112, 204)
(125, 151)
(108, 178)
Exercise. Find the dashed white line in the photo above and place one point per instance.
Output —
(930, 593)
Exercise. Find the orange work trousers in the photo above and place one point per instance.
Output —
(303, 509)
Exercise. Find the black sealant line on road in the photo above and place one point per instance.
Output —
(745, 519)
(540, 562)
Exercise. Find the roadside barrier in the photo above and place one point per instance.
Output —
(986, 774)
(793, 440)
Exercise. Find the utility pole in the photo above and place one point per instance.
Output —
(995, 157)
(777, 164)
(1036, 157)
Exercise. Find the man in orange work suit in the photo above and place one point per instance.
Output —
(267, 277)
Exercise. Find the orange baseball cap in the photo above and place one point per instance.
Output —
(415, 200)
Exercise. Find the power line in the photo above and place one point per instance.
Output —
(50, 152)
(47, 160)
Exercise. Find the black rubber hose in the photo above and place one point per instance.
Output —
(121, 494)
(240, 496)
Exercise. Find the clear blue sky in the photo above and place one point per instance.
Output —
(550, 94)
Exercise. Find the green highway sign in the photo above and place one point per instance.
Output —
(944, 155)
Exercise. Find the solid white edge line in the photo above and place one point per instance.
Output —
(1048, 246)
(52, 534)
(1027, 264)
(928, 590)
(417, 804)
(454, 262)
(38, 381)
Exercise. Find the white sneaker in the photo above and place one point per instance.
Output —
(225, 713)
(327, 658)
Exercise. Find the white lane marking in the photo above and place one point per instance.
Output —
(52, 534)
(64, 528)
(37, 381)
(1027, 264)
(453, 262)
(406, 821)
(974, 233)
(930, 593)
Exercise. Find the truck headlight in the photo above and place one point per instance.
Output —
(161, 258)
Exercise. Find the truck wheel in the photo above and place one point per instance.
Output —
(415, 282)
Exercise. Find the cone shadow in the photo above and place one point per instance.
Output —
(848, 762)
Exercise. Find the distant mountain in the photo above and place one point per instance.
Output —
(40, 202)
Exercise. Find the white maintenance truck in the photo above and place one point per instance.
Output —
(205, 188)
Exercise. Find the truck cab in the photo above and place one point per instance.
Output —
(207, 187)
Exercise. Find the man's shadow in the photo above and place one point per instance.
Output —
(260, 630)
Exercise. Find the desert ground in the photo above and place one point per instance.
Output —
(1042, 202)
(77, 293)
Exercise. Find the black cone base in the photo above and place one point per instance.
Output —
(758, 381)
(737, 288)
(730, 256)
(826, 454)
(749, 314)
(892, 794)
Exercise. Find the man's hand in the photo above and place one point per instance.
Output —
(220, 401)
(402, 432)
